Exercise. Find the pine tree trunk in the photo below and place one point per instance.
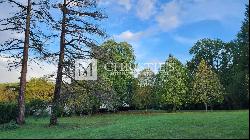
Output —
(21, 101)
(58, 86)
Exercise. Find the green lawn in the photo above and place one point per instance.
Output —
(218, 124)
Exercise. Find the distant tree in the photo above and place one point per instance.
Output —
(86, 97)
(230, 61)
(143, 96)
(219, 56)
(77, 26)
(206, 87)
(217, 53)
(8, 92)
(78, 98)
(24, 22)
(39, 89)
(116, 63)
(113, 86)
(172, 80)
(240, 70)
(36, 89)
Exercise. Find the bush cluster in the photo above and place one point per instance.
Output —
(8, 112)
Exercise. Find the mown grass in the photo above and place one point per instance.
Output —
(200, 125)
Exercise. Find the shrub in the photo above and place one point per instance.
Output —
(12, 125)
(37, 108)
(8, 112)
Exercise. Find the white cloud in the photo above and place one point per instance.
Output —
(118, 5)
(136, 40)
(71, 3)
(125, 3)
(135, 36)
(219, 10)
(175, 13)
(33, 71)
(178, 12)
(129, 36)
(168, 19)
(186, 40)
(103, 2)
(145, 9)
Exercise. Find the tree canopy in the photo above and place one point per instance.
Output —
(172, 79)
(206, 86)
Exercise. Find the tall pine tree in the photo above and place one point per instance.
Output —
(24, 22)
(77, 26)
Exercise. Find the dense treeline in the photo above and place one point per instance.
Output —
(230, 61)
(37, 89)
(217, 77)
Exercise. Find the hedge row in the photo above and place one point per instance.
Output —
(8, 112)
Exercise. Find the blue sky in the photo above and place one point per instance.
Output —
(157, 28)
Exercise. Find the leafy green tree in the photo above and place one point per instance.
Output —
(217, 53)
(78, 98)
(86, 97)
(8, 92)
(172, 80)
(219, 56)
(230, 61)
(113, 86)
(206, 87)
(39, 89)
(240, 70)
(36, 89)
(115, 66)
(143, 96)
